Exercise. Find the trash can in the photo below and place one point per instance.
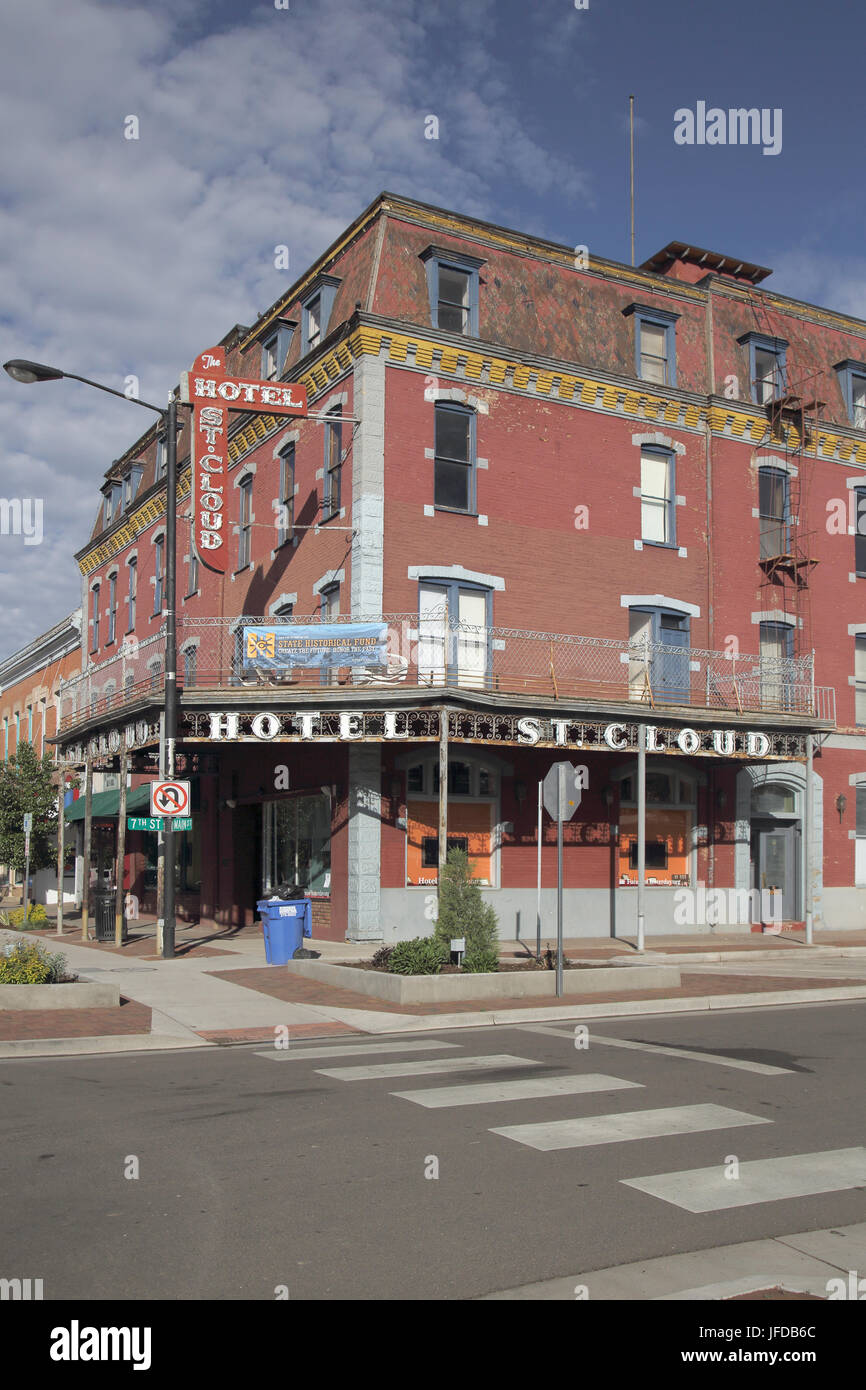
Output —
(284, 924)
(104, 901)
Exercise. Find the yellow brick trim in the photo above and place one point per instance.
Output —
(138, 521)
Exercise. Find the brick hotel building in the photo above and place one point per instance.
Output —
(588, 500)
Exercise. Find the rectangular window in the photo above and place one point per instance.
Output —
(773, 511)
(297, 843)
(189, 666)
(193, 568)
(657, 499)
(94, 620)
(767, 366)
(161, 457)
(245, 527)
(275, 350)
(286, 499)
(330, 605)
(333, 464)
(654, 344)
(454, 459)
(113, 503)
(668, 847)
(858, 402)
(766, 375)
(313, 314)
(131, 592)
(860, 533)
(452, 305)
(158, 575)
(452, 286)
(131, 484)
(860, 680)
(112, 606)
(653, 353)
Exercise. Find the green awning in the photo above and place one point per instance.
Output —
(105, 805)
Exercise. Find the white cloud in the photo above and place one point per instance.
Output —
(128, 256)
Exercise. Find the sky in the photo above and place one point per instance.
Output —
(275, 123)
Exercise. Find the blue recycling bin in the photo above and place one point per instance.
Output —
(285, 924)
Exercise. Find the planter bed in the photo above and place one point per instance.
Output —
(514, 983)
(78, 995)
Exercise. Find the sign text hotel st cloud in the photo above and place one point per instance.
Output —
(212, 395)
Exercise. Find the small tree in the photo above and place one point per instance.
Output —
(26, 785)
(462, 910)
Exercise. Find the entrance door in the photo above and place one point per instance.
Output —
(776, 860)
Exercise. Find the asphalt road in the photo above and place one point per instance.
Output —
(256, 1171)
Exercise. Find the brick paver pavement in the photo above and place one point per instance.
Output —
(296, 989)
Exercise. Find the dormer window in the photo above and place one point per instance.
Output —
(852, 381)
(113, 502)
(452, 284)
(654, 344)
(767, 366)
(131, 484)
(316, 312)
(275, 350)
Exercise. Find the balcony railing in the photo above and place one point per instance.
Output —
(438, 652)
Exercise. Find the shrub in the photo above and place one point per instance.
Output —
(480, 962)
(424, 955)
(463, 911)
(382, 958)
(36, 916)
(26, 963)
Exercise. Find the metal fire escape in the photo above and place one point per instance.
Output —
(793, 419)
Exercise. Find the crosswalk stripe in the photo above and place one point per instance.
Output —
(712, 1058)
(297, 1053)
(486, 1092)
(500, 1061)
(633, 1124)
(759, 1180)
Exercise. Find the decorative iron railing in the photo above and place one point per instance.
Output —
(435, 651)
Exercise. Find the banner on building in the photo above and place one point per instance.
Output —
(320, 644)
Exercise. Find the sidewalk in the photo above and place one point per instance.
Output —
(219, 990)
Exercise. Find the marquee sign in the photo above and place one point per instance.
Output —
(213, 394)
(422, 726)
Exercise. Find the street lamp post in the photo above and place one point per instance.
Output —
(29, 372)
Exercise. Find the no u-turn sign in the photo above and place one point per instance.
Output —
(169, 798)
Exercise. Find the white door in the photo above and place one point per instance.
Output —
(432, 634)
(472, 639)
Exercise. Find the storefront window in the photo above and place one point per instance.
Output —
(472, 810)
(297, 843)
(670, 813)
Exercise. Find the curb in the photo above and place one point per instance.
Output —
(117, 1043)
(431, 1023)
(800, 1263)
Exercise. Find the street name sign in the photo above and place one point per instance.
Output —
(158, 823)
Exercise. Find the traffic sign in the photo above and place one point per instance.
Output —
(169, 798)
(28, 822)
(158, 823)
(573, 782)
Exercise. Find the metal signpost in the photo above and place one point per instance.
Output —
(28, 826)
(561, 794)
